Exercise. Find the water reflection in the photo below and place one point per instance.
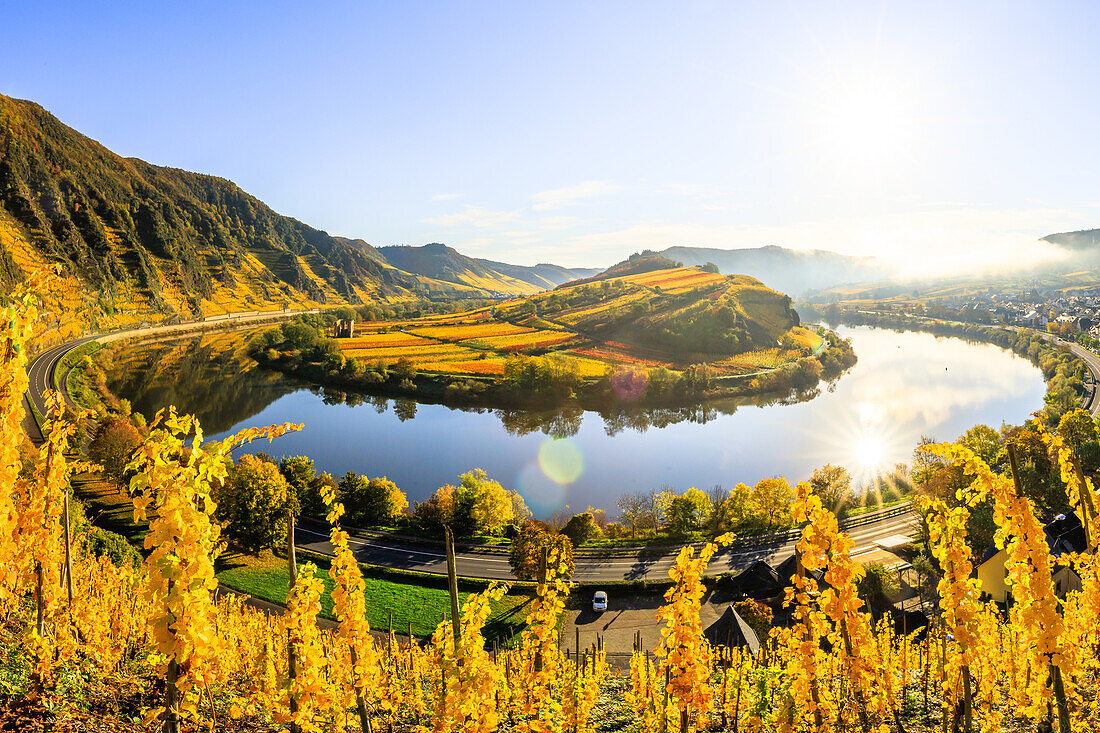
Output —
(905, 385)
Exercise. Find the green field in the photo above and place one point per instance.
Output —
(415, 598)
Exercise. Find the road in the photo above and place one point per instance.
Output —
(42, 369)
(591, 566)
(488, 562)
(1092, 361)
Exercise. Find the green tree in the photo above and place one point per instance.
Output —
(253, 503)
(879, 586)
(581, 528)
(1078, 429)
(685, 513)
(985, 442)
(528, 546)
(300, 474)
(371, 502)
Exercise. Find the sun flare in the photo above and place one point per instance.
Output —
(870, 451)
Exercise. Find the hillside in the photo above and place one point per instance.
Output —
(157, 241)
(666, 318)
(443, 264)
(792, 271)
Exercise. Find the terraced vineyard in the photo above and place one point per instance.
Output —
(648, 320)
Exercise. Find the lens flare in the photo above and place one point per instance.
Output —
(560, 460)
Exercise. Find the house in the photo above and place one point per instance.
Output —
(731, 630)
(758, 581)
(1064, 535)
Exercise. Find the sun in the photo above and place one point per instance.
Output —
(870, 451)
(867, 121)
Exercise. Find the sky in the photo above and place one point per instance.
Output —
(933, 134)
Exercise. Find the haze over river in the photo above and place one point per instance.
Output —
(905, 385)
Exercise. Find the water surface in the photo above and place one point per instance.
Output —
(905, 385)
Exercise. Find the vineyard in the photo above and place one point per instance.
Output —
(590, 327)
(174, 656)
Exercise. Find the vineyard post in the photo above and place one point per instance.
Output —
(452, 586)
(291, 652)
(543, 558)
(360, 703)
(68, 556)
(389, 637)
(578, 646)
(737, 702)
(943, 678)
(664, 708)
(808, 636)
(171, 697)
(1055, 671)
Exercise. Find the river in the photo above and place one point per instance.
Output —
(905, 385)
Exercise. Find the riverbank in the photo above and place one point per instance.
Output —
(533, 382)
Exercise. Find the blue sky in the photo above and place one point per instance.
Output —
(581, 132)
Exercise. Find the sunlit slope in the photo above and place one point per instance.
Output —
(681, 309)
(669, 318)
(175, 243)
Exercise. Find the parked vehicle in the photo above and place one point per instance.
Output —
(599, 602)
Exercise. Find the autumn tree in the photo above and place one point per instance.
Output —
(490, 504)
(114, 442)
(253, 503)
(833, 485)
(771, 501)
(528, 546)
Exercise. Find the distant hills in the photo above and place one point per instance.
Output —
(442, 263)
(789, 270)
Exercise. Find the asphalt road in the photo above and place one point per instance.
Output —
(1092, 361)
(590, 567)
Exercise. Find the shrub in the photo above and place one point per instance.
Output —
(581, 528)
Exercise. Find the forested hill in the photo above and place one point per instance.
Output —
(139, 237)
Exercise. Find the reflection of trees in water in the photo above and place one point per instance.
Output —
(560, 423)
(405, 409)
(223, 387)
(206, 380)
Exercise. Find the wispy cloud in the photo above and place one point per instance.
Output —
(557, 197)
(475, 216)
(446, 196)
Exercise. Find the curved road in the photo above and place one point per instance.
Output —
(492, 562)
(1092, 361)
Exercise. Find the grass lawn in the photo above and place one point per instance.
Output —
(418, 599)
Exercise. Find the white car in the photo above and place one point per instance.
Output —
(599, 602)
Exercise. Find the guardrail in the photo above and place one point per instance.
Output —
(601, 552)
